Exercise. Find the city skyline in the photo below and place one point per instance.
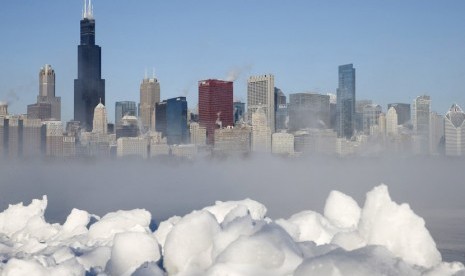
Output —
(429, 61)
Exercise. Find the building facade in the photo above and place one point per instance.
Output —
(308, 110)
(260, 93)
(403, 112)
(176, 121)
(215, 106)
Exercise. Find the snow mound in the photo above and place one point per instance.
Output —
(227, 239)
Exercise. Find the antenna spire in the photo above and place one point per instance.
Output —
(88, 10)
(153, 72)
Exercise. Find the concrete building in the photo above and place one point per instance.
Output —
(129, 127)
(371, 114)
(3, 109)
(232, 140)
(149, 96)
(391, 122)
(32, 137)
(455, 131)
(69, 146)
(282, 143)
(132, 147)
(158, 145)
(261, 133)
(53, 131)
(100, 122)
(403, 112)
(47, 91)
(315, 141)
(42, 111)
(260, 93)
(198, 134)
(188, 151)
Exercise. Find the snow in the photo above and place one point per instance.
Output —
(228, 238)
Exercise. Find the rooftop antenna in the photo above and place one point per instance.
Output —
(84, 14)
(153, 72)
(145, 75)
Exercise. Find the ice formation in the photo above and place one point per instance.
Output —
(229, 238)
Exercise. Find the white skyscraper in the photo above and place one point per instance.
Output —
(261, 133)
(260, 93)
(100, 119)
(391, 122)
(455, 131)
(436, 133)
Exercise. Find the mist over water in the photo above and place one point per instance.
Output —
(433, 187)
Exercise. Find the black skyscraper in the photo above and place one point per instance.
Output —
(89, 87)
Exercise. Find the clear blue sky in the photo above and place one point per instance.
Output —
(400, 48)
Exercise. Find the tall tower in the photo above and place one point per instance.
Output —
(215, 105)
(89, 87)
(260, 93)
(345, 107)
(149, 96)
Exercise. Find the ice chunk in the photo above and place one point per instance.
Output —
(309, 226)
(130, 250)
(164, 229)
(190, 242)
(398, 228)
(221, 209)
(342, 210)
(103, 231)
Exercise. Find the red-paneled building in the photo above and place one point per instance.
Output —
(215, 105)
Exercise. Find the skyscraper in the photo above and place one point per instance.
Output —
(391, 122)
(260, 93)
(421, 115)
(215, 105)
(100, 119)
(89, 87)
(345, 108)
(122, 109)
(149, 96)
(239, 110)
(48, 106)
(176, 121)
(47, 91)
(455, 131)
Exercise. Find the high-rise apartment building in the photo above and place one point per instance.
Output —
(198, 134)
(100, 122)
(89, 87)
(455, 131)
(149, 96)
(124, 108)
(260, 93)
(215, 105)
(436, 133)
(345, 108)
